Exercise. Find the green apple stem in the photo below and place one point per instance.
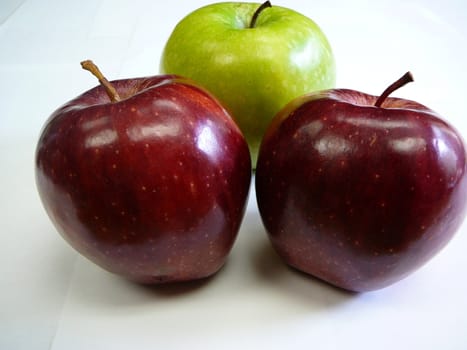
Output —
(111, 92)
(406, 78)
(260, 9)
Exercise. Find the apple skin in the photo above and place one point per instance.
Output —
(256, 71)
(152, 187)
(356, 195)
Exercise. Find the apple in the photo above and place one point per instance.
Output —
(254, 59)
(360, 191)
(146, 177)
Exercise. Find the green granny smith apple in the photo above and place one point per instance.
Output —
(254, 58)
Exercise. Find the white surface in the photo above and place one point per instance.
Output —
(51, 298)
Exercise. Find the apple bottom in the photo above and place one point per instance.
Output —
(149, 251)
(345, 262)
(160, 257)
(360, 235)
(153, 262)
(169, 256)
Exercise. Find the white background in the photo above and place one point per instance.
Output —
(51, 298)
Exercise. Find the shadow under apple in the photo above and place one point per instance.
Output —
(175, 289)
(92, 287)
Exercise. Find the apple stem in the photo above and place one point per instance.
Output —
(406, 78)
(111, 92)
(260, 9)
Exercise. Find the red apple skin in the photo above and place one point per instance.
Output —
(356, 195)
(152, 187)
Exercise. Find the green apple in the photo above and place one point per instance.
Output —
(253, 66)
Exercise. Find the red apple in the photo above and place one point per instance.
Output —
(360, 191)
(146, 177)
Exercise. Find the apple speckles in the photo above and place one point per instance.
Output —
(143, 188)
(114, 166)
(117, 152)
(192, 187)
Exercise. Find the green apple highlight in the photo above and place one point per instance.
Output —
(254, 69)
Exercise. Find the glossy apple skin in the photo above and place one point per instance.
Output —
(152, 187)
(356, 195)
(256, 71)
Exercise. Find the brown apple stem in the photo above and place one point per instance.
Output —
(90, 66)
(260, 9)
(406, 78)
